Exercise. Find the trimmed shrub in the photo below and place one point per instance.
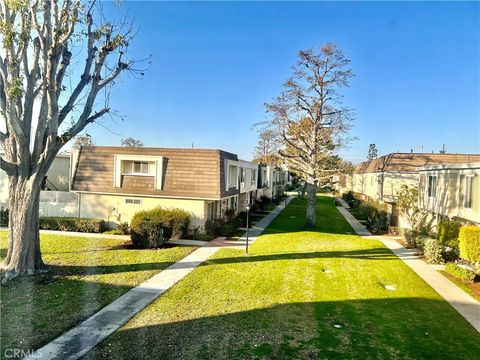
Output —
(410, 237)
(222, 227)
(432, 251)
(72, 224)
(447, 232)
(461, 273)
(264, 202)
(450, 254)
(469, 239)
(152, 228)
(147, 230)
(124, 228)
(178, 220)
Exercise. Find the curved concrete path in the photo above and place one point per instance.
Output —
(466, 305)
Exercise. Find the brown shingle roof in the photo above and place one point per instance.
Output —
(409, 162)
(191, 173)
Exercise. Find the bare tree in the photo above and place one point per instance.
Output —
(82, 140)
(266, 151)
(131, 142)
(39, 112)
(308, 118)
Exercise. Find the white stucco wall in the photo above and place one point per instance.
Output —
(113, 209)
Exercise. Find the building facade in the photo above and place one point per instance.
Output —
(451, 190)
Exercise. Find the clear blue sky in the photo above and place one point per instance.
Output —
(215, 64)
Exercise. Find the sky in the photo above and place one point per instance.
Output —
(215, 64)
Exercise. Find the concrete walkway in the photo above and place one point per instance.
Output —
(254, 231)
(343, 202)
(359, 228)
(466, 305)
(79, 340)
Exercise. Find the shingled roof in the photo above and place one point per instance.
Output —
(409, 162)
(188, 173)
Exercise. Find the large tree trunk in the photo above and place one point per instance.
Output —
(24, 256)
(311, 205)
(304, 187)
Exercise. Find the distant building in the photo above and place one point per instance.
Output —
(382, 178)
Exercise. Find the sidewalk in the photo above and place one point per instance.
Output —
(79, 340)
(466, 305)
(254, 231)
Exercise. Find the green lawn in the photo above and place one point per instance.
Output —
(279, 303)
(87, 274)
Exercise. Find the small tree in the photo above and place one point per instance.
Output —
(82, 140)
(308, 119)
(131, 142)
(407, 202)
(372, 152)
(41, 113)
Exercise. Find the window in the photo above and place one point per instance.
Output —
(212, 210)
(242, 175)
(232, 176)
(471, 192)
(432, 186)
(133, 201)
(136, 167)
(254, 177)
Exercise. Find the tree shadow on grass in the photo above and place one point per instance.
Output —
(39, 309)
(364, 254)
(353, 329)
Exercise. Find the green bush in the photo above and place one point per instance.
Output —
(469, 239)
(461, 273)
(152, 228)
(432, 251)
(264, 202)
(222, 227)
(450, 254)
(72, 224)
(447, 232)
(410, 237)
(124, 228)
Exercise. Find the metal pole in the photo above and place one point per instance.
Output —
(246, 245)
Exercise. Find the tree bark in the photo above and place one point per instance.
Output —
(311, 214)
(304, 187)
(23, 256)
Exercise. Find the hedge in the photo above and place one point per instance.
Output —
(447, 232)
(72, 224)
(461, 273)
(469, 238)
(151, 228)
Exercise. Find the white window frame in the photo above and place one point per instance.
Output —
(136, 173)
(155, 168)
